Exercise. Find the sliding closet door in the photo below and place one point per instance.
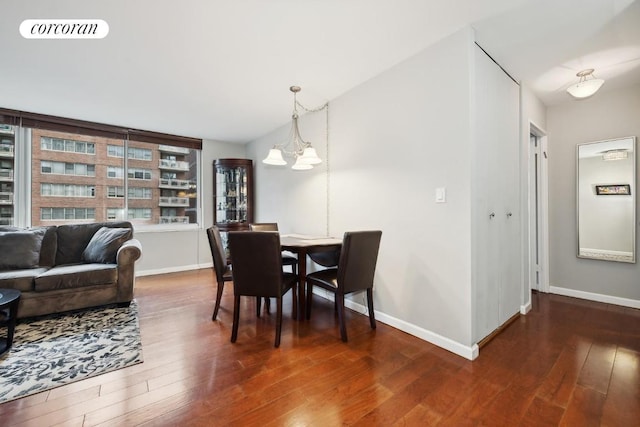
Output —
(495, 192)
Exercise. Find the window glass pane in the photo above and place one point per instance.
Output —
(82, 197)
(159, 187)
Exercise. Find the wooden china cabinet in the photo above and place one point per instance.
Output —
(233, 195)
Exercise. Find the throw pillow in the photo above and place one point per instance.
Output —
(103, 246)
(20, 249)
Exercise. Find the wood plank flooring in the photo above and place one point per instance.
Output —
(569, 362)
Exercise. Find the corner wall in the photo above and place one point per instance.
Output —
(171, 251)
(392, 141)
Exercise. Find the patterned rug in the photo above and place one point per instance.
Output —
(54, 350)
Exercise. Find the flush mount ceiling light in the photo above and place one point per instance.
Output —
(301, 151)
(586, 86)
(614, 155)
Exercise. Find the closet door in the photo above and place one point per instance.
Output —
(496, 195)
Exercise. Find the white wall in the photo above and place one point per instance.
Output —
(393, 141)
(169, 251)
(606, 115)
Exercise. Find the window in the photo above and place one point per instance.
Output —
(67, 214)
(139, 193)
(137, 173)
(120, 189)
(140, 153)
(115, 151)
(115, 170)
(67, 190)
(114, 192)
(67, 145)
(140, 213)
(61, 168)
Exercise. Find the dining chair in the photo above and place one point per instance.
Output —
(287, 259)
(220, 265)
(257, 271)
(355, 271)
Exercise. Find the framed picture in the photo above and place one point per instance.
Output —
(613, 190)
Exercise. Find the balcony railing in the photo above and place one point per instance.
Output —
(6, 150)
(174, 220)
(6, 174)
(174, 201)
(176, 184)
(172, 149)
(174, 165)
(6, 198)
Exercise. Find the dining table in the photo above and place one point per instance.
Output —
(303, 245)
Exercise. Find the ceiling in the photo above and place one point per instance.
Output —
(221, 69)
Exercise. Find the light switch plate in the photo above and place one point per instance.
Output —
(441, 195)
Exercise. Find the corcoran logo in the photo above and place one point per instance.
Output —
(64, 29)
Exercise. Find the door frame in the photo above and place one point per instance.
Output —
(542, 195)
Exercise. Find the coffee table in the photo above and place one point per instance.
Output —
(9, 301)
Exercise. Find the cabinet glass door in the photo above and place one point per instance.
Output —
(231, 195)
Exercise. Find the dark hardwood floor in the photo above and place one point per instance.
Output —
(568, 362)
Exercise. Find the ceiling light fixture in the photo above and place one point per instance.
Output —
(586, 86)
(614, 155)
(302, 151)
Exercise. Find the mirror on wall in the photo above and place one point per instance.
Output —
(606, 200)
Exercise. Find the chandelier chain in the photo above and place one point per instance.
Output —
(312, 110)
(326, 138)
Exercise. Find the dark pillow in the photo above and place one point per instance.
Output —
(103, 246)
(20, 249)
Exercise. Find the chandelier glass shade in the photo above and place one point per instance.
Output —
(301, 151)
(587, 84)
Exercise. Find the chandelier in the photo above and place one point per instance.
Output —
(587, 84)
(301, 151)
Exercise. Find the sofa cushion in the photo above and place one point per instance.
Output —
(49, 247)
(104, 245)
(74, 238)
(22, 280)
(76, 276)
(20, 249)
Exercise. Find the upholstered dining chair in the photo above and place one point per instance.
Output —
(257, 271)
(355, 271)
(223, 272)
(289, 260)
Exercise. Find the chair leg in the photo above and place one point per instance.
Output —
(372, 317)
(343, 328)
(258, 306)
(236, 318)
(278, 320)
(309, 299)
(267, 305)
(294, 302)
(218, 298)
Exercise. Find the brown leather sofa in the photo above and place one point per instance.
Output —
(68, 267)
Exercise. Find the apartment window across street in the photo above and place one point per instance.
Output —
(71, 146)
(135, 173)
(47, 214)
(67, 190)
(85, 177)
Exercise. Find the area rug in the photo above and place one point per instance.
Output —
(55, 350)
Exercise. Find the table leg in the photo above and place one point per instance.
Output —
(302, 274)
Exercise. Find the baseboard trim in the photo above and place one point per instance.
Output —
(524, 309)
(625, 302)
(173, 269)
(467, 352)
